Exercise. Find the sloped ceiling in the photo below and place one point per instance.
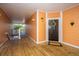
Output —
(20, 10)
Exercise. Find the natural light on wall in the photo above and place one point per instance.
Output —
(20, 29)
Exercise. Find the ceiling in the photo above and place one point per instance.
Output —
(20, 10)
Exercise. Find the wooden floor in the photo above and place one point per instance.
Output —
(26, 47)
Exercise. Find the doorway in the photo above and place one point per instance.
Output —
(53, 29)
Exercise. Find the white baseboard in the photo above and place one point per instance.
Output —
(70, 45)
(41, 42)
(32, 39)
(2, 43)
(35, 41)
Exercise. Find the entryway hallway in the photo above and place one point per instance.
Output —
(24, 29)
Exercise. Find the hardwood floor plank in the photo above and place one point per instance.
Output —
(25, 47)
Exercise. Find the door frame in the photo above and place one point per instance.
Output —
(59, 29)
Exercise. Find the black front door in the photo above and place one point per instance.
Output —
(53, 30)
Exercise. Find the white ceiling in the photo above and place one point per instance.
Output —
(19, 10)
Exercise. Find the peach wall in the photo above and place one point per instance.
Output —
(4, 26)
(71, 33)
(31, 22)
(42, 26)
(42, 23)
(53, 14)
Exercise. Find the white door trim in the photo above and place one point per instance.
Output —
(60, 27)
(46, 27)
(37, 26)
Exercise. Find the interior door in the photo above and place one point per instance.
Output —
(53, 30)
